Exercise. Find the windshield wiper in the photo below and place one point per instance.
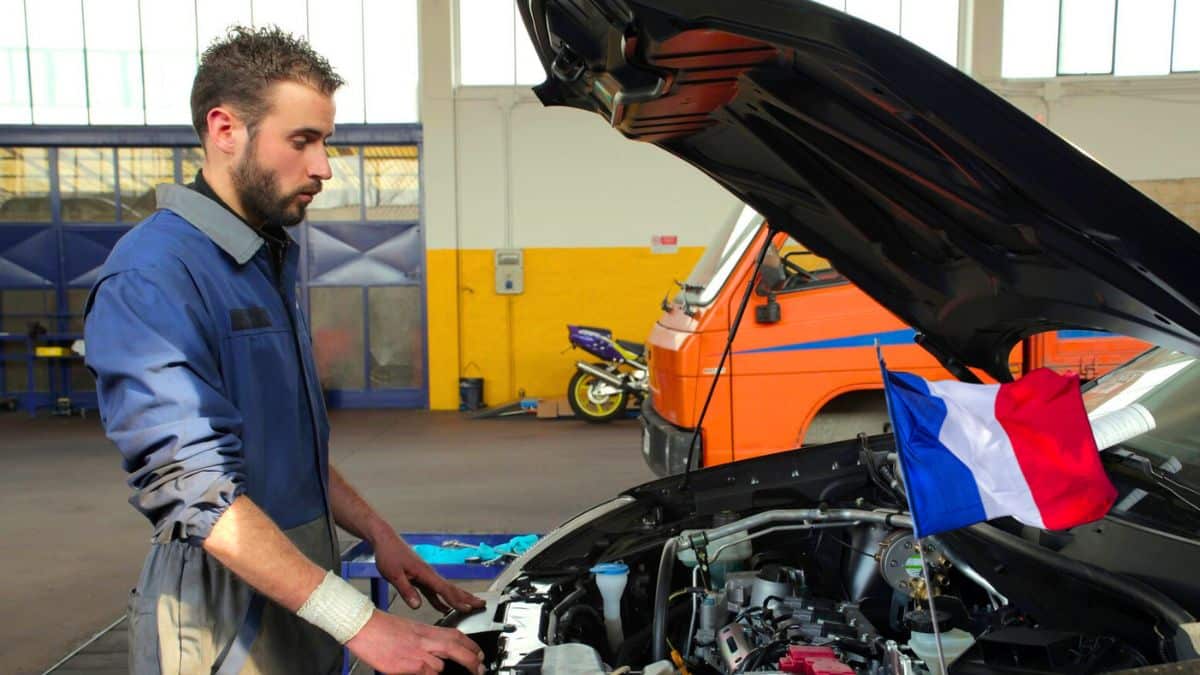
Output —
(688, 310)
(1156, 475)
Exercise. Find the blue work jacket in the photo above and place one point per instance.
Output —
(207, 386)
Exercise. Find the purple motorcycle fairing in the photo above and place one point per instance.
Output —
(595, 341)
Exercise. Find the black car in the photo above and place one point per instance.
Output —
(972, 223)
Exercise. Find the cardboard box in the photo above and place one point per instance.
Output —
(547, 408)
(550, 408)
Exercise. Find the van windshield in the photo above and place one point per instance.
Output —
(722, 255)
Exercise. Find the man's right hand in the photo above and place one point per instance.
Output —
(391, 644)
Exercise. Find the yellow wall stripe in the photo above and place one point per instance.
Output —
(516, 343)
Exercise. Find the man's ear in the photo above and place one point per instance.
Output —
(225, 130)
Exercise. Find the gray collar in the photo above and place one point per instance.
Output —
(234, 237)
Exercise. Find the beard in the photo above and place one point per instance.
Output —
(258, 190)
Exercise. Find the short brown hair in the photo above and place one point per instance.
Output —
(240, 68)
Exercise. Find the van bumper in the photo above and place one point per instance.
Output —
(664, 445)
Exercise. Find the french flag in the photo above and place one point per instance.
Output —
(973, 452)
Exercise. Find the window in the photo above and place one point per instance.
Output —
(1186, 40)
(190, 161)
(392, 60)
(1085, 37)
(397, 329)
(496, 57)
(1029, 45)
(290, 15)
(341, 196)
(1143, 38)
(133, 61)
(789, 266)
(491, 54)
(169, 59)
(335, 29)
(214, 17)
(141, 171)
(14, 65)
(87, 185)
(114, 60)
(930, 24)
(1045, 38)
(56, 65)
(337, 334)
(393, 183)
(24, 185)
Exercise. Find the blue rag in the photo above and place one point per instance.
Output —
(442, 555)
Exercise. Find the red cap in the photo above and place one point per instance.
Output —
(828, 667)
(806, 660)
(806, 652)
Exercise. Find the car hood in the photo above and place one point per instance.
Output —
(962, 215)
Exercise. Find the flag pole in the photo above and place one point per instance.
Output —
(937, 632)
(920, 543)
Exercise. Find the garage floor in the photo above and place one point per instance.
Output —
(71, 547)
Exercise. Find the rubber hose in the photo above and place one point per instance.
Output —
(666, 565)
(568, 618)
(636, 646)
(1151, 599)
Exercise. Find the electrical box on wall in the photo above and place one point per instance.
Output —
(510, 271)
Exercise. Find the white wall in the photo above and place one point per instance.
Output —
(572, 180)
(1142, 129)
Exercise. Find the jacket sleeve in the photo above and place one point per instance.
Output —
(153, 347)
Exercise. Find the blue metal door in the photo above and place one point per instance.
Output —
(364, 279)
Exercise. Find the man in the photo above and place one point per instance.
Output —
(207, 386)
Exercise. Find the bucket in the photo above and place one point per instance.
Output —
(470, 393)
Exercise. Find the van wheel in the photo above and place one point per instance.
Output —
(847, 416)
(594, 400)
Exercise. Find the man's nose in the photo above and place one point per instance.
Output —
(320, 168)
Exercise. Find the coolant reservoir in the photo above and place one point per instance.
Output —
(954, 644)
(955, 641)
(724, 555)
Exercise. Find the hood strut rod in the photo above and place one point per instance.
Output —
(949, 362)
(733, 328)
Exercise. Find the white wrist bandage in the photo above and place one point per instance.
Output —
(337, 608)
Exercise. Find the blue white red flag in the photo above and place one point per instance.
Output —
(973, 452)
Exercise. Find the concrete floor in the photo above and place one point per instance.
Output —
(71, 547)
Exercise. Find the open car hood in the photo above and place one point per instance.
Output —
(962, 215)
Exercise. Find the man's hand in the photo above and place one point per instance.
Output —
(391, 644)
(399, 564)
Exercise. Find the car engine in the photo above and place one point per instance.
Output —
(648, 584)
(779, 610)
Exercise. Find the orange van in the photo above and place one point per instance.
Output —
(803, 368)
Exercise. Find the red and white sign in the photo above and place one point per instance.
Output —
(664, 243)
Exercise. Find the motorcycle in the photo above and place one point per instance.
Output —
(600, 392)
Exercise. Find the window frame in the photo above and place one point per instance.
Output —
(1111, 72)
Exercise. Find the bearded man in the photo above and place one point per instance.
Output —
(207, 386)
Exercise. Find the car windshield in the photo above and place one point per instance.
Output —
(722, 255)
(1152, 401)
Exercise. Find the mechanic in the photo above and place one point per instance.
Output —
(207, 386)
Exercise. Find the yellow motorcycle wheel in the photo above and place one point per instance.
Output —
(588, 405)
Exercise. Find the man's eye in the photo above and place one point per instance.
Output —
(299, 143)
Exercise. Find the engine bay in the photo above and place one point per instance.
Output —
(830, 598)
(825, 578)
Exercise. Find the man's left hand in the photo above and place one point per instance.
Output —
(400, 565)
